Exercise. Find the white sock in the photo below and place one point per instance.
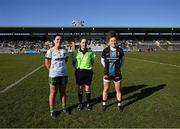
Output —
(104, 103)
(119, 104)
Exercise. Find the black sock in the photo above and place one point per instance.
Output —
(88, 97)
(80, 97)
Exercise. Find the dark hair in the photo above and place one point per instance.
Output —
(57, 36)
(109, 35)
(81, 38)
(54, 37)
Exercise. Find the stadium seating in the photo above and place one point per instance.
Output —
(95, 44)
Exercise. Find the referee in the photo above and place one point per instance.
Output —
(82, 60)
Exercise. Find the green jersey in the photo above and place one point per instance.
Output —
(83, 60)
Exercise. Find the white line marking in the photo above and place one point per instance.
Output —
(154, 62)
(18, 81)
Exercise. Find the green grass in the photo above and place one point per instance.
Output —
(13, 67)
(150, 94)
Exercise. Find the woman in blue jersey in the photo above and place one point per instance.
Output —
(112, 60)
(55, 62)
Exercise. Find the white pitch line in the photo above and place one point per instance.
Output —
(18, 81)
(154, 62)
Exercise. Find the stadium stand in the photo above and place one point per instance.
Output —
(21, 39)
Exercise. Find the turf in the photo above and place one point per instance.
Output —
(150, 94)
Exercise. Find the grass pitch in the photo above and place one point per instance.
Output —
(150, 94)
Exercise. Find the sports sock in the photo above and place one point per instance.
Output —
(51, 109)
(80, 96)
(104, 102)
(63, 106)
(118, 103)
(88, 97)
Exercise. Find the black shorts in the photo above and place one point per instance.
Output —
(114, 78)
(83, 76)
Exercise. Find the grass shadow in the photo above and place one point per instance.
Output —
(94, 101)
(144, 93)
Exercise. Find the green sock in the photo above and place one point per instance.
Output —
(63, 106)
(51, 109)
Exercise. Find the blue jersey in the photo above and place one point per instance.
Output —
(58, 65)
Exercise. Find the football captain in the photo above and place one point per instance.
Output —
(55, 62)
(112, 60)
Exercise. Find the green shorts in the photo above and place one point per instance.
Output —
(58, 81)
